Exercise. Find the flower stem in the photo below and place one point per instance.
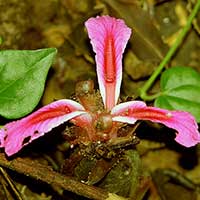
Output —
(170, 53)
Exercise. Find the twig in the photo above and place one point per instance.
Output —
(44, 173)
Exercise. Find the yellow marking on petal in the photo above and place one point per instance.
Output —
(169, 114)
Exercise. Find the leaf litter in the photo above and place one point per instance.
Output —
(59, 24)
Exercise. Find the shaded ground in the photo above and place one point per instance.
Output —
(26, 24)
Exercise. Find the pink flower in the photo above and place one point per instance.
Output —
(109, 37)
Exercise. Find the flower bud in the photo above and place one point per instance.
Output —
(104, 122)
(84, 87)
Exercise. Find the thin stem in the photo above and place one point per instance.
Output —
(150, 97)
(51, 161)
(11, 184)
(170, 53)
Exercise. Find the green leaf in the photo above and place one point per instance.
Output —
(180, 90)
(22, 78)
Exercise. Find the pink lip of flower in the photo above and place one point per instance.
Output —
(109, 37)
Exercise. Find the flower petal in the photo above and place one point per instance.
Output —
(15, 135)
(109, 37)
(183, 122)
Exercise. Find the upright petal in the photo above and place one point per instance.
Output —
(183, 122)
(109, 37)
(15, 135)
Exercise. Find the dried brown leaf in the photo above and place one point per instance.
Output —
(146, 40)
(124, 177)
